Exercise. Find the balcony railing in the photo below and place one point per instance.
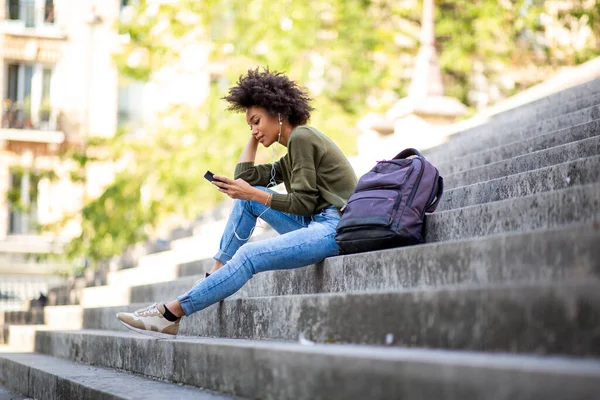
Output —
(17, 115)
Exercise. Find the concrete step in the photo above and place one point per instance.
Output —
(44, 377)
(166, 266)
(68, 293)
(4, 333)
(563, 97)
(556, 177)
(494, 134)
(33, 316)
(548, 318)
(160, 269)
(281, 370)
(577, 204)
(274, 370)
(198, 267)
(539, 211)
(525, 116)
(528, 162)
(55, 317)
(549, 255)
(430, 264)
(522, 147)
(147, 271)
(22, 337)
(536, 211)
(6, 394)
(536, 256)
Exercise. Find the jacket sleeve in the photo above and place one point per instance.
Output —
(304, 156)
(258, 175)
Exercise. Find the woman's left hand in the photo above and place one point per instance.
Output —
(236, 189)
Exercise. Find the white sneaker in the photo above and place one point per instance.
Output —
(150, 321)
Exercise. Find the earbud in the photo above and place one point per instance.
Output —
(279, 136)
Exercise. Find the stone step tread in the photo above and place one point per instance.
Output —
(6, 394)
(538, 159)
(30, 316)
(577, 204)
(495, 317)
(533, 255)
(592, 188)
(168, 263)
(175, 274)
(487, 288)
(277, 369)
(581, 90)
(462, 143)
(523, 118)
(522, 146)
(488, 210)
(51, 377)
(572, 173)
(381, 353)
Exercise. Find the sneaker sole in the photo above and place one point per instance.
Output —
(157, 335)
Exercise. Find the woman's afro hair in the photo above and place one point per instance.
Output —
(272, 91)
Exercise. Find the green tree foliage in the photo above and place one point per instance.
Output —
(354, 56)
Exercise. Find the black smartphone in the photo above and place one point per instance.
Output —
(209, 176)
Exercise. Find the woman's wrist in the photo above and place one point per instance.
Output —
(260, 196)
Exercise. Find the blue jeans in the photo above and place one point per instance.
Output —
(302, 241)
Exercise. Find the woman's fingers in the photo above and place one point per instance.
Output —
(222, 178)
(219, 184)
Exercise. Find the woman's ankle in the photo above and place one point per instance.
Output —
(175, 308)
(216, 267)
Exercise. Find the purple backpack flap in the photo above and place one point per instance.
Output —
(389, 204)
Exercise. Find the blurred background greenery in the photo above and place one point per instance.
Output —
(354, 56)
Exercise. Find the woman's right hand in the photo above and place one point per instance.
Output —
(249, 152)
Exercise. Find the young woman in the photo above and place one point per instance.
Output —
(318, 179)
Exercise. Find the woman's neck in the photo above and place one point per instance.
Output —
(286, 132)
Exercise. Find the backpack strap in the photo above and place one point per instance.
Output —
(407, 153)
(438, 195)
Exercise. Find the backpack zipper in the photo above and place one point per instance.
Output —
(433, 193)
(414, 189)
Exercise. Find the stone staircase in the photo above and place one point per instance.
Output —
(503, 302)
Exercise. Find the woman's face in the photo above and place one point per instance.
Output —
(264, 126)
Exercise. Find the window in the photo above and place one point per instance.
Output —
(22, 198)
(13, 9)
(26, 102)
(131, 101)
(30, 13)
(49, 12)
(45, 108)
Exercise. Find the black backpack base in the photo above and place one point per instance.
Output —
(374, 239)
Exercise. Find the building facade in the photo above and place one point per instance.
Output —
(59, 87)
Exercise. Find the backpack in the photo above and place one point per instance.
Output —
(389, 204)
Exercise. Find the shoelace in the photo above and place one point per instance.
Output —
(150, 310)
